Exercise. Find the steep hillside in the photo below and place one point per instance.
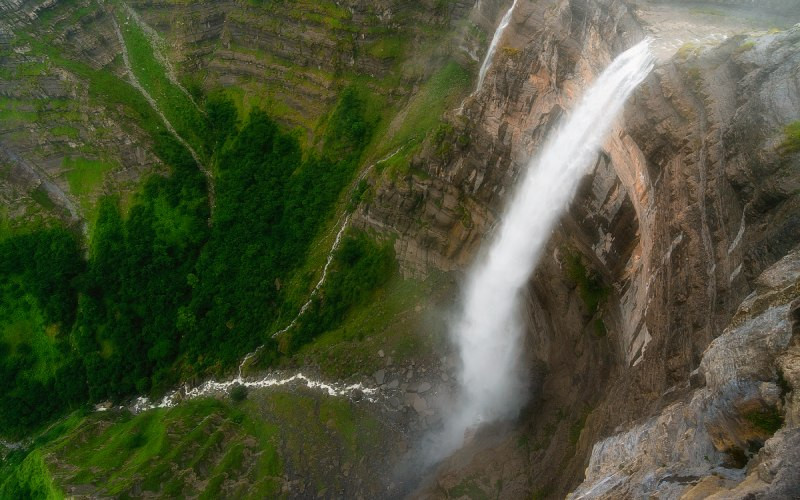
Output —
(285, 197)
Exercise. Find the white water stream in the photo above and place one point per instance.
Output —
(488, 330)
(498, 35)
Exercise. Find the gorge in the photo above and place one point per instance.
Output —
(285, 246)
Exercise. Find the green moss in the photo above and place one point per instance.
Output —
(590, 287)
(389, 47)
(600, 329)
(749, 45)
(768, 420)
(707, 12)
(577, 426)
(385, 322)
(161, 450)
(467, 489)
(41, 197)
(688, 49)
(791, 141)
(442, 91)
(65, 131)
(84, 175)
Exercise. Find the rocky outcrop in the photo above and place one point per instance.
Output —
(300, 54)
(788, 7)
(721, 440)
(61, 145)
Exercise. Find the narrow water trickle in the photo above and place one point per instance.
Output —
(488, 328)
(498, 34)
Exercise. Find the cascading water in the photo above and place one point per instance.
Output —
(498, 34)
(487, 332)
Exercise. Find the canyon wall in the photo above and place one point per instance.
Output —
(691, 199)
(691, 213)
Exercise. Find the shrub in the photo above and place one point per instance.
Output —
(238, 393)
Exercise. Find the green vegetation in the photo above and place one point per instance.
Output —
(748, 45)
(238, 393)
(359, 267)
(84, 175)
(28, 479)
(590, 286)
(175, 104)
(160, 451)
(577, 426)
(203, 448)
(387, 47)
(468, 488)
(269, 206)
(706, 11)
(600, 329)
(162, 290)
(767, 420)
(38, 375)
(687, 50)
(791, 142)
(542, 493)
(441, 92)
(388, 320)
(162, 294)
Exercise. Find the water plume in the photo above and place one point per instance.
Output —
(498, 34)
(488, 328)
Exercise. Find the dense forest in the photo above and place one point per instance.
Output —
(169, 288)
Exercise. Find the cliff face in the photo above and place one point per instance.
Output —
(690, 201)
(662, 320)
(294, 56)
(787, 7)
(59, 106)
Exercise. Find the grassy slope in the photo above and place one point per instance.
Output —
(398, 320)
(176, 105)
(206, 448)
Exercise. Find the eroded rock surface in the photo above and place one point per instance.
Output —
(691, 199)
(719, 440)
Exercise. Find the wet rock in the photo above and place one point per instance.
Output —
(379, 376)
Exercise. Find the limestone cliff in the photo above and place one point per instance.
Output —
(690, 201)
(661, 323)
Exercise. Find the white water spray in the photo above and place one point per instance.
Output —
(498, 34)
(488, 329)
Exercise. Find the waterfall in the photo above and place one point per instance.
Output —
(488, 329)
(498, 34)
